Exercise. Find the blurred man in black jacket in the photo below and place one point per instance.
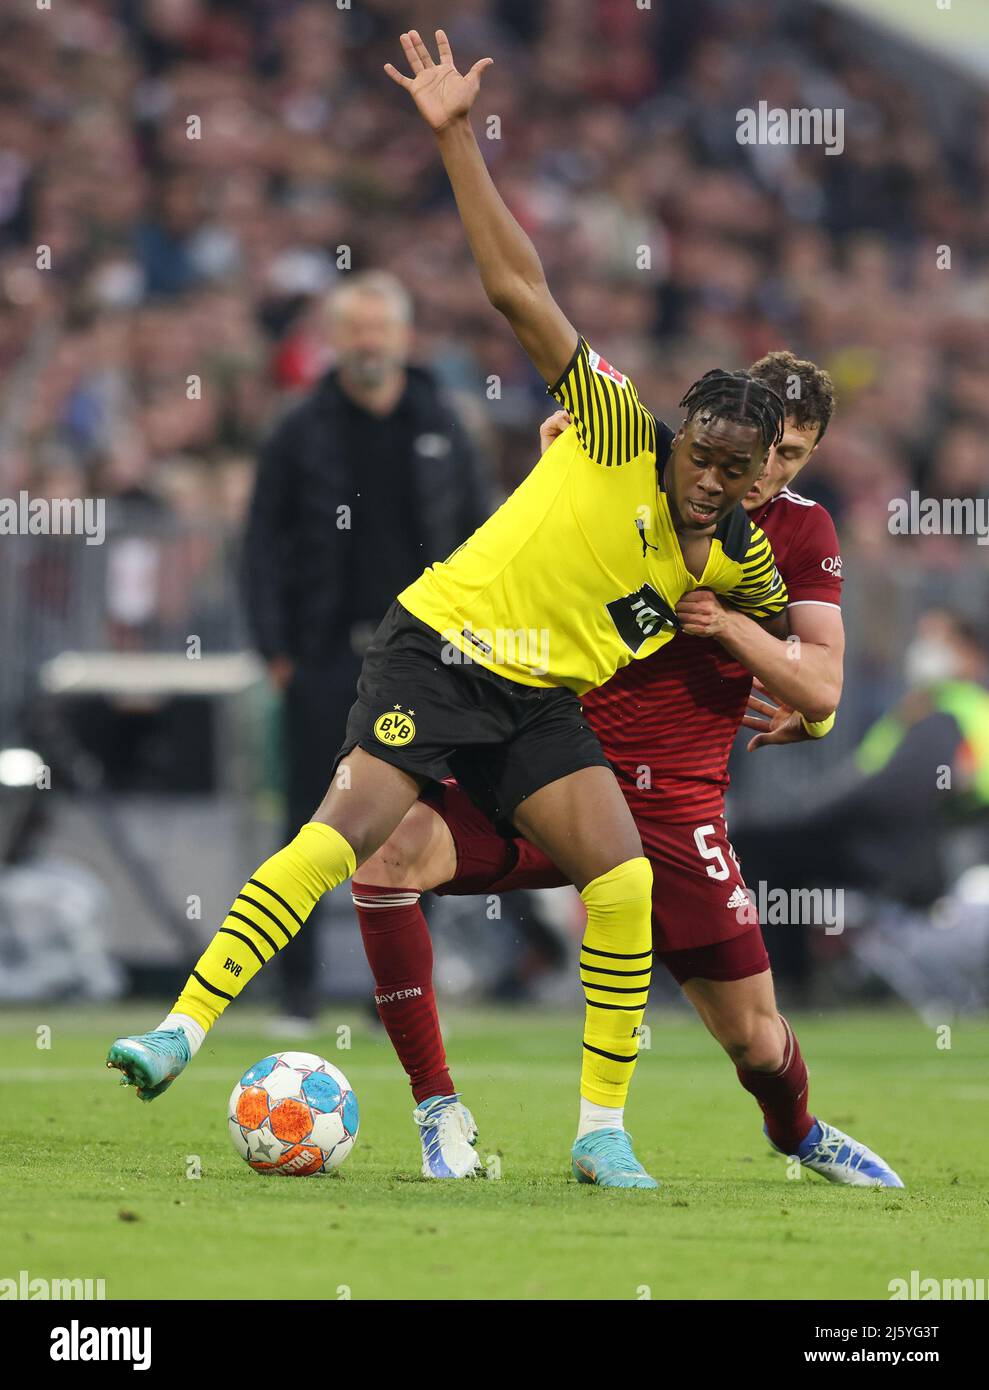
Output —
(365, 482)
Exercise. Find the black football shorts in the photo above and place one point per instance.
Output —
(423, 706)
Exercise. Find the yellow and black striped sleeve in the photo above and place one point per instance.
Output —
(611, 422)
(760, 592)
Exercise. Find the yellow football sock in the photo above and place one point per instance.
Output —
(615, 969)
(267, 912)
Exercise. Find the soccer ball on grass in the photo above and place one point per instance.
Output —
(294, 1114)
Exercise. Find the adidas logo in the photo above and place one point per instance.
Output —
(739, 898)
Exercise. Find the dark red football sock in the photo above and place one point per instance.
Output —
(782, 1096)
(400, 953)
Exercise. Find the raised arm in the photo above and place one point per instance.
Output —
(509, 266)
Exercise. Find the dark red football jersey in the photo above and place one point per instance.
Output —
(668, 723)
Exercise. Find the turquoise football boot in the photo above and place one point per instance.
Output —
(150, 1061)
(605, 1157)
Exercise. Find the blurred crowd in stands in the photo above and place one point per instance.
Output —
(204, 171)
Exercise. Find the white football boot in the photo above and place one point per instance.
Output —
(842, 1159)
(448, 1134)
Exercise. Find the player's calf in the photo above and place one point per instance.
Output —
(399, 951)
(741, 1014)
(615, 972)
(759, 1045)
(419, 853)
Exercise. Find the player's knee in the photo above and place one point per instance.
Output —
(639, 872)
(630, 882)
(754, 1042)
(403, 861)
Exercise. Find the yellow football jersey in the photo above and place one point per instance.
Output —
(580, 569)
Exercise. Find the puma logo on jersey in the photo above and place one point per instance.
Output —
(640, 526)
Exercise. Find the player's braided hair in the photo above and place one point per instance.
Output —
(740, 397)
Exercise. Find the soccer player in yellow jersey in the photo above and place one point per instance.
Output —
(478, 667)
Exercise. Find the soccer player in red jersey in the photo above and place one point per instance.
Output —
(667, 725)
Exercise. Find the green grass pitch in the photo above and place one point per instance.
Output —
(94, 1184)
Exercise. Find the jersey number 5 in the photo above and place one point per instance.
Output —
(707, 851)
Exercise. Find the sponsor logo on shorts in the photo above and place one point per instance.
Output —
(396, 728)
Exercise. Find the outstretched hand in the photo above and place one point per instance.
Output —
(778, 723)
(440, 92)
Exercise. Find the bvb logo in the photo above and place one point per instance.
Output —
(395, 728)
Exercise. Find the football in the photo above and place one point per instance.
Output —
(293, 1113)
